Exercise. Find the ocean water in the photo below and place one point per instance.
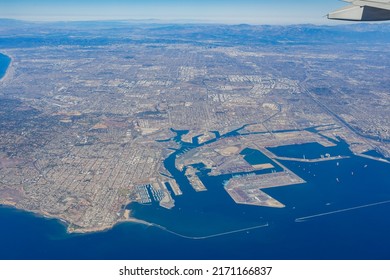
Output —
(352, 234)
(4, 63)
(340, 213)
(311, 150)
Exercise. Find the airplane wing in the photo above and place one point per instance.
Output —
(364, 10)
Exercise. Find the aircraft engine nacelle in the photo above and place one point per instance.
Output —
(360, 13)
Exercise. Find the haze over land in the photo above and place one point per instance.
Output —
(212, 11)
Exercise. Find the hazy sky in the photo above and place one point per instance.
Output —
(224, 11)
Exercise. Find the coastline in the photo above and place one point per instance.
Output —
(9, 67)
(84, 231)
(103, 228)
(67, 225)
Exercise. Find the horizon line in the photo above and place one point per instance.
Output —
(185, 21)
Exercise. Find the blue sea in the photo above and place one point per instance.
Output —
(356, 234)
(340, 213)
(4, 63)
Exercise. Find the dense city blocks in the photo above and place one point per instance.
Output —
(92, 113)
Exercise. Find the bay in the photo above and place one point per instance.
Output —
(340, 213)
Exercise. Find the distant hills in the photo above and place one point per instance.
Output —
(16, 33)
